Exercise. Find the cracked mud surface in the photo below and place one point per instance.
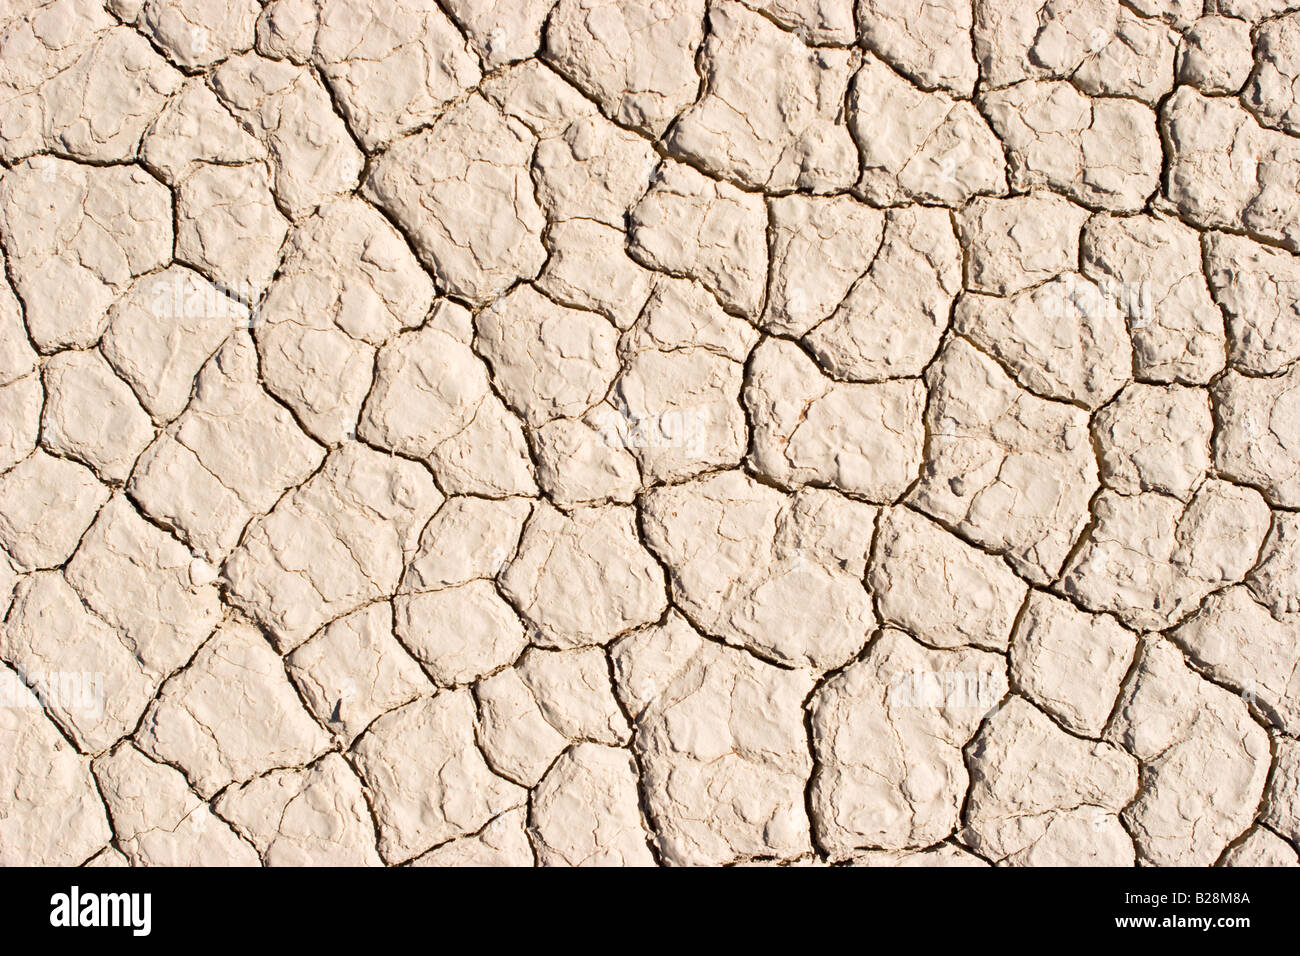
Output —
(679, 432)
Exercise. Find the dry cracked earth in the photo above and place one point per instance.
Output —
(462, 432)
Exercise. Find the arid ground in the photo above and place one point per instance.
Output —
(632, 432)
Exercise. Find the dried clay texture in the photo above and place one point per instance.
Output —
(650, 432)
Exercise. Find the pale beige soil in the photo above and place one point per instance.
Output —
(634, 432)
